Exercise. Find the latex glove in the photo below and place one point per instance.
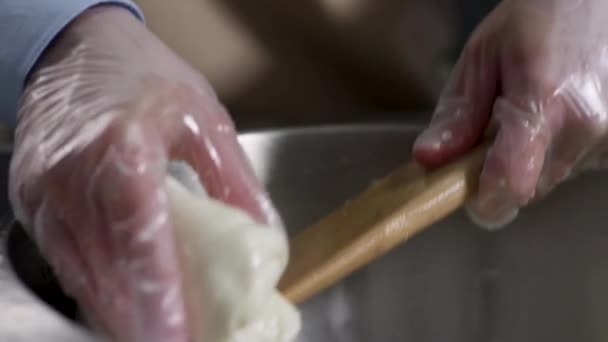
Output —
(538, 71)
(108, 106)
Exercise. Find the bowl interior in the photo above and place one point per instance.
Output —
(544, 278)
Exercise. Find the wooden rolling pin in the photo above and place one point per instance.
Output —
(389, 212)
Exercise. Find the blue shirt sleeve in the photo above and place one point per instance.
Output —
(26, 28)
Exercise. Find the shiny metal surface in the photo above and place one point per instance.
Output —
(543, 279)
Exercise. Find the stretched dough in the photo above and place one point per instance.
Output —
(231, 267)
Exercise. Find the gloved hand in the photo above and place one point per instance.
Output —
(106, 109)
(536, 73)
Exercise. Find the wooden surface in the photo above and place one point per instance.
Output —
(389, 212)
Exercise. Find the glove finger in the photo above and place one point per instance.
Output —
(59, 247)
(68, 191)
(512, 167)
(129, 189)
(528, 114)
(111, 197)
(209, 143)
(463, 110)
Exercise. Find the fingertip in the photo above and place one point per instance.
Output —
(429, 148)
(444, 142)
(494, 206)
(492, 222)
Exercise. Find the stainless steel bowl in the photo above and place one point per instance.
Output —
(541, 279)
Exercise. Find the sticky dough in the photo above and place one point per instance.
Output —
(231, 266)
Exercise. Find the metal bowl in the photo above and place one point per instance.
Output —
(541, 279)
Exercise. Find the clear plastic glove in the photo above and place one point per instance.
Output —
(106, 109)
(536, 71)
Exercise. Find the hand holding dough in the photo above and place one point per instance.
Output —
(105, 110)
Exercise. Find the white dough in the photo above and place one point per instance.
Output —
(231, 267)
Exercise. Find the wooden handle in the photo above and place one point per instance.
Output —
(389, 212)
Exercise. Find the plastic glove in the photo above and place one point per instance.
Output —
(108, 106)
(537, 72)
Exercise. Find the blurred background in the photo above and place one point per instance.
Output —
(288, 63)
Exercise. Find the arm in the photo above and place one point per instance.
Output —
(29, 26)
